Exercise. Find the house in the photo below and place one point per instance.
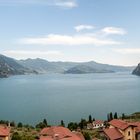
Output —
(98, 124)
(122, 130)
(95, 124)
(4, 133)
(137, 130)
(59, 133)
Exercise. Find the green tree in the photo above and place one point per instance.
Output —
(72, 126)
(86, 136)
(93, 119)
(20, 124)
(108, 117)
(90, 119)
(83, 123)
(45, 122)
(12, 124)
(111, 116)
(62, 123)
(41, 125)
(4, 122)
(115, 115)
(123, 116)
(16, 136)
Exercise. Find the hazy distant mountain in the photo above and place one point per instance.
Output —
(9, 66)
(93, 67)
(136, 71)
(44, 66)
(82, 69)
(108, 67)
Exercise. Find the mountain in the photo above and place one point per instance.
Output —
(9, 66)
(41, 65)
(93, 67)
(44, 66)
(83, 69)
(136, 71)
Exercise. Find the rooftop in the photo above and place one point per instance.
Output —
(113, 133)
(98, 122)
(60, 132)
(4, 131)
(120, 124)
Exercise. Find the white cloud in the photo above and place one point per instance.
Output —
(113, 30)
(56, 39)
(65, 3)
(128, 50)
(58, 3)
(23, 54)
(83, 27)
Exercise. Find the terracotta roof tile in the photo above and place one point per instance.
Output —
(138, 126)
(98, 122)
(46, 138)
(120, 124)
(4, 131)
(113, 133)
(62, 133)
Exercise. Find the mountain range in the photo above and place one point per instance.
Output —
(136, 71)
(43, 66)
(10, 66)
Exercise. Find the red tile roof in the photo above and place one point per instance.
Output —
(62, 133)
(98, 122)
(46, 138)
(138, 126)
(79, 134)
(113, 133)
(4, 131)
(120, 124)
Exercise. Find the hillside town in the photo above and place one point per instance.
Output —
(114, 129)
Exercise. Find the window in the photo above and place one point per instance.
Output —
(128, 133)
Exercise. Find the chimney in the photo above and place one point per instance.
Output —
(56, 136)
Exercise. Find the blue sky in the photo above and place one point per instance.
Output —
(106, 31)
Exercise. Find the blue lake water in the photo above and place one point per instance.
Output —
(31, 98)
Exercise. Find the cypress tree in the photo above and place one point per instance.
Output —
(90, 119)
(108, 117)
(123, 116)
(45, 122)
(111, 116)
(115, 115)
(62, 123)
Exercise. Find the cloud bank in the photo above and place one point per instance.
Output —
(95, 38)
(57, 39)
(57, 3)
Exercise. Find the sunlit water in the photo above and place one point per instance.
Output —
(31, 98)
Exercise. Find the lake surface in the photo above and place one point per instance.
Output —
(31, 98)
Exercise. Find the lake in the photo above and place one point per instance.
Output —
(31, 98)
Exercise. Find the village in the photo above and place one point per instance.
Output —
(127, 128)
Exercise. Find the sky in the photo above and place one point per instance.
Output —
(105, 31)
